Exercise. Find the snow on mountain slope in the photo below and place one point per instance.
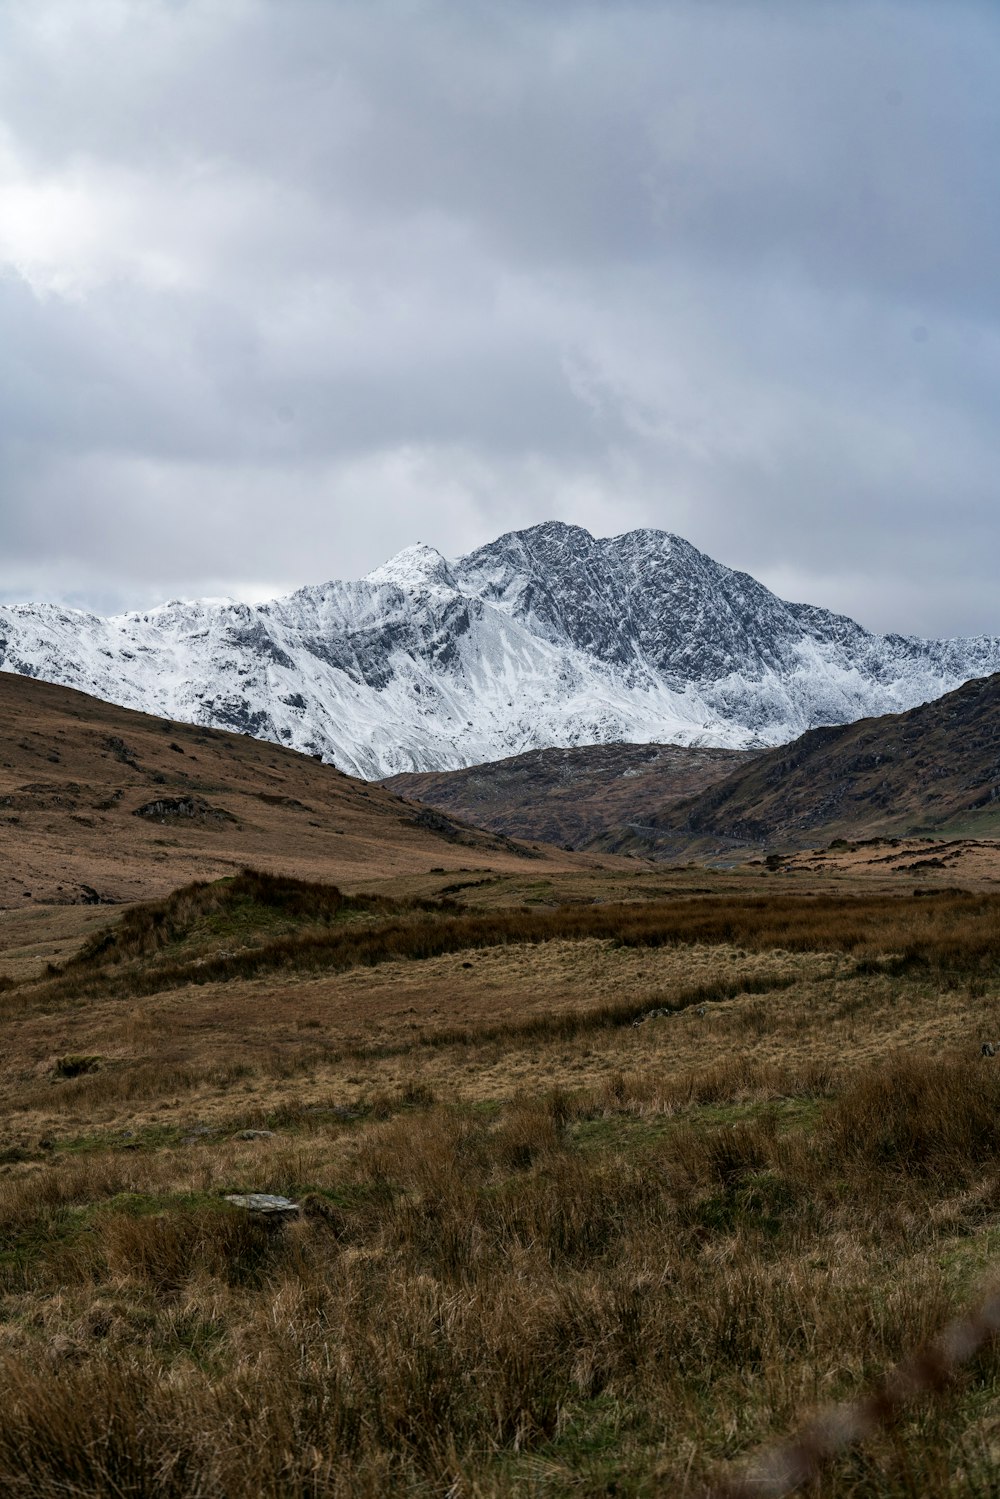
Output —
(544, 637)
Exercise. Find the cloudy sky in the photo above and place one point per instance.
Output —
(287, 285)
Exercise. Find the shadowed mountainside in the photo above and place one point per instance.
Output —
(571, 796)
(933, 770)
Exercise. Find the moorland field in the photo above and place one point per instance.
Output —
(607, 1177)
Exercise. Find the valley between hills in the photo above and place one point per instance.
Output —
(607, 1166)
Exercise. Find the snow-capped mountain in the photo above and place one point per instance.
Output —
(544, 637)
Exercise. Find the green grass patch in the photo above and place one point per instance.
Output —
(633, 1131)
(603, 1446)
(764, 1203)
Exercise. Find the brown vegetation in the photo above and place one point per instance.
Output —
(492, 1305)
(578, 797)
(74, 770)
(956, 930)
(594, 1198)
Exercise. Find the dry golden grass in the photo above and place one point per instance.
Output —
(543, 1250)
(966, 861)
(339, 1038)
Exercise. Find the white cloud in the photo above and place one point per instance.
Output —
(310, 282)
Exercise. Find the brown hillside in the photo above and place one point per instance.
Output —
(934, 770)
(98, 803)
(574, 797)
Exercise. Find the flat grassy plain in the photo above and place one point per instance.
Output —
(607, 1179)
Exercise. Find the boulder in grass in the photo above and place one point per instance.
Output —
(266, 1203)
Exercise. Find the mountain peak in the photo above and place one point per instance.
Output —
(554, 530)
(418, 566)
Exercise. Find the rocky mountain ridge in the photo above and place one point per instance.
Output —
(544, 637)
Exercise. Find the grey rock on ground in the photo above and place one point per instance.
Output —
(264, 1202)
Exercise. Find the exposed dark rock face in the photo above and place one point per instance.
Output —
(435, 822)
(190, 808)
(121, 751)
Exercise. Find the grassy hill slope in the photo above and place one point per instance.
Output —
(98, 804)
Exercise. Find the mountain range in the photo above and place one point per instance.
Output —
(544, 637)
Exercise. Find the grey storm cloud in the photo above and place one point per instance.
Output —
(287, 285)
